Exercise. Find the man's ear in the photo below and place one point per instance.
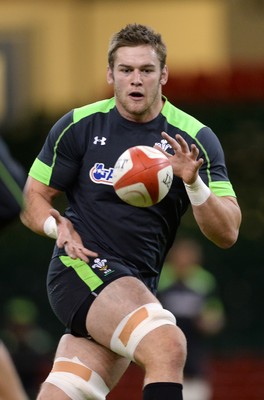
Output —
(164, 75)
(110, 76)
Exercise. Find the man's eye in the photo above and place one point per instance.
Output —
(147, 71)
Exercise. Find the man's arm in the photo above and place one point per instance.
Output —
(38, 208)
(38, 200)
(219, 218)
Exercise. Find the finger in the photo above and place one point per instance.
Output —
(79, 254)
(168, 137)
(88, 252)
(200, 162)
(162, 151)
(61, 240)
(171, 141)
(194, 152)
(77, 251)
(71, 250)
(55, 213)
(182, 143)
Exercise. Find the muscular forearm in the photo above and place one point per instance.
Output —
(34, 214)
(38, 200)
(219, 219)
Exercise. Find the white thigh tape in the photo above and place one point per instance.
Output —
(138, 324)
(76, 380)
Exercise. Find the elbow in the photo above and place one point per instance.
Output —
(229, 235)
(227, 239)
(23, 218)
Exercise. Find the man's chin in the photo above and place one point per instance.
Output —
(136, 109)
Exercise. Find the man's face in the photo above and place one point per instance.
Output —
(137, 80)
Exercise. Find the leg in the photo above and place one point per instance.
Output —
(10, 385)
(161, 352)
(108, 365)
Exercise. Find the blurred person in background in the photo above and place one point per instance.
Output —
(190, 292)
(30, 346)
(12, 179)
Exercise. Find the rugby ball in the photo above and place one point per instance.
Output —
(142, 176)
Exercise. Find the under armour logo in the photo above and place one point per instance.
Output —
(101, 141)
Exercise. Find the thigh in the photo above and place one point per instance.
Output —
(110, 366)
(71, 283)
(115, 302)
(161, 351)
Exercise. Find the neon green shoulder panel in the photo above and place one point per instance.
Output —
(181, 119)
(41, 171)
(192, 126)
(102, 106)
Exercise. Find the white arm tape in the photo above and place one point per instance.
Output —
(50, 227)
(197, 191)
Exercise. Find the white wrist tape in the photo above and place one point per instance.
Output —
(197, 191)
(50, 227)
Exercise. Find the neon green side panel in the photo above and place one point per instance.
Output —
(40, 171)
(181, 119)
(102, 106)
(222, 188)
(84, 272)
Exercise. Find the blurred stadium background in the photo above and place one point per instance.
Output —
(53, 58)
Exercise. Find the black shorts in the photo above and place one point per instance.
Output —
(73, 285)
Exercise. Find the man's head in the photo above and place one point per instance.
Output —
(137, 71)
(136, 35)
(185, 255)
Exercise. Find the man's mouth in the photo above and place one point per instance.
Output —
(136, 95)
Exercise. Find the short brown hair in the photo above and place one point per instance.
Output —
(135, 35)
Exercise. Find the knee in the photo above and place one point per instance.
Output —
(163, 347)
(177, 346)
(76, 380)
(149, 333)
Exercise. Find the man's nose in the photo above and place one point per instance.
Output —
(137, 78)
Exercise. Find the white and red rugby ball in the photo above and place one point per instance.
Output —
(142, 176)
